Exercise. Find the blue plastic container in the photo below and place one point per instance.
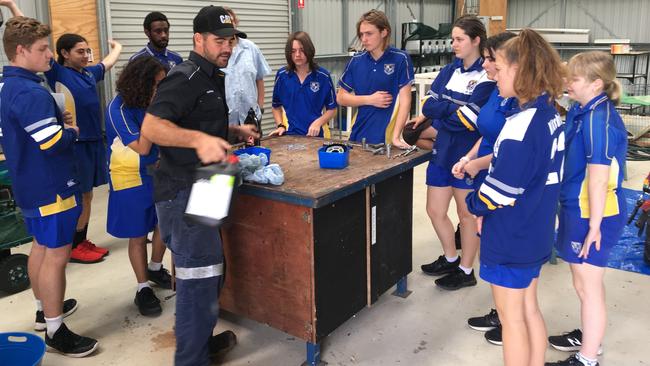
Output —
(255, 150)
(21, 349)
(333, 160)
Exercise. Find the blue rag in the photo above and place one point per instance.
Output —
(254, 169)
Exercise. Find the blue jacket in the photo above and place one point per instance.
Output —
(37, 148)
(453, 103)
(519, 198)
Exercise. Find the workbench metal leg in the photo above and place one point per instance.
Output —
(313, 355)
(402, 288)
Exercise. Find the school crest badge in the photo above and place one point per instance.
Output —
(389, 69)
(314, 86)
(576, 246)
(471, 85)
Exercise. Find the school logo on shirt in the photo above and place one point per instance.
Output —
(471, 85)
(314, 86)
(389, 69)
(576, 246)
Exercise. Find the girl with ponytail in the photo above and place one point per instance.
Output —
(592, 213)
(517, 201)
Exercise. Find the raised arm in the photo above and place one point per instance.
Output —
(110, 59)
(11, 4)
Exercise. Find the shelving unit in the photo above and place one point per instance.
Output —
(635, 75)
(433, 49)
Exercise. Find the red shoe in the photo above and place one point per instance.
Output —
(81, 254)
(94, 248)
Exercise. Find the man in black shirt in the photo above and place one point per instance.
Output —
(188, 118)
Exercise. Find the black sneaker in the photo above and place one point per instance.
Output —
(220, 344)
(70, 344)
(569, 342)
(69, 307)
(147, 302)
(440, 266)
(571, 361)
(485, 322)
(160, 277)
(456, 280)
(494, 336)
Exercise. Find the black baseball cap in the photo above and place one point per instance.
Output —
(215, 20)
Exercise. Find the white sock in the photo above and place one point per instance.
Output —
(586, 361)
(53, 324)
(451, 259)
(154, 266)
(465, 269)
(39, 305)
(143, 285)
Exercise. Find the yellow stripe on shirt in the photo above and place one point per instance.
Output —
(611, 200)
(464, 121)
(52, 141)
(58, 206)
(487, 202)
(391, 124)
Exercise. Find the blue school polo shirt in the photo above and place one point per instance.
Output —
(364, 76)
(167, 57)
(303, 102)
(83, 88)
(127, 168)
(595, 135)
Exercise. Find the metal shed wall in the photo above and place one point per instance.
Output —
(605, 18)
(266, 23)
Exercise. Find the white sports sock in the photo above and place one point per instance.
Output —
(586, 361)
(465, 269)
(39, 305)
(451, 259)
(53, 324)
(143, 285)
(154, 266)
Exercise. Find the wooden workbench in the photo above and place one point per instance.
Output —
(306, 256)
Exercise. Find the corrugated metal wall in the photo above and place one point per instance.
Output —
(266, 22)
(605, 18)
(322, 20)
(32, 9)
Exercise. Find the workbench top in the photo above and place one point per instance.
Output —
(306, 184)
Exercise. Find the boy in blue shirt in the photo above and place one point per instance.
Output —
(72, 76)
(38, 148)
(302, 91)
(378, 82)
(156, 28)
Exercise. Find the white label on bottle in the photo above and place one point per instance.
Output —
(211, 198)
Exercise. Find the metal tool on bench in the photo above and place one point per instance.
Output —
(407, 152)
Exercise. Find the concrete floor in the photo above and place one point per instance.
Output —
(427, 328)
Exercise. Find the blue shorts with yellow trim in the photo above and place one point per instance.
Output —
(438, 176)
(131, 211)
(572, 232)
(55, 230)
(91, 164)
(509, 277)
